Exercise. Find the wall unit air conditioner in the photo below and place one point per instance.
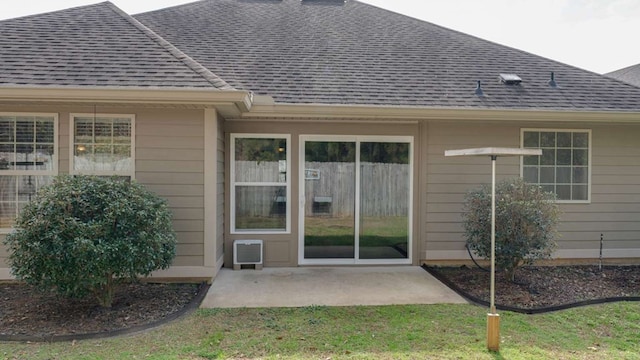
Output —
(247, 252)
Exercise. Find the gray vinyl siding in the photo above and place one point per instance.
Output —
(63, 143)
(170, 162)
(449, 178)
(3, 252)
(614, 210)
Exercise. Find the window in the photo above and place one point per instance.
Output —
(565, 164)
(28, 149)
(260, 183)
(102, 145)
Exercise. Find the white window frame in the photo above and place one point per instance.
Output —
(72, 133)
(54, 168)
(589, 156)
(234, 183)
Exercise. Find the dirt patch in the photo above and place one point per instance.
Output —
(548, 286)
(26, 311)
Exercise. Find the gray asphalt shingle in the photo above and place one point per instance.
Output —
(630, 75)
(355, 53)
(325, 52)
(95, 45)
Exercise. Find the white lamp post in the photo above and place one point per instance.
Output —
(493, 319)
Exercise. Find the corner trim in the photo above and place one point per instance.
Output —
(210, 193)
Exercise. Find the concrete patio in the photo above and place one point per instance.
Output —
(330, 286)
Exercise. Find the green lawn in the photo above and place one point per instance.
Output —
(382, 332)
(376, 231)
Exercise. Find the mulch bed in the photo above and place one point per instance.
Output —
(25, 311)
(29, 314)
(546, 287)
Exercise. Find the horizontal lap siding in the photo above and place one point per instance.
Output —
(450, 178)
(63, 143)
(614, 210)
(170, 162)
(3, 252)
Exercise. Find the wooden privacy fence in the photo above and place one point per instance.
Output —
(329, 189)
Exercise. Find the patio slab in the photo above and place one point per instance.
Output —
(330, 286)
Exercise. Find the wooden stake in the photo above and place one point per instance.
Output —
(493, 332)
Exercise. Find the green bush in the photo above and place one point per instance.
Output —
(526, 222)
(82, 235)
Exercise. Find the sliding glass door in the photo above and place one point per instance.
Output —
(356, 200)
(384, 200)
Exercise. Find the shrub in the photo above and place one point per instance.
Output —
(526, 221)
(82, 235)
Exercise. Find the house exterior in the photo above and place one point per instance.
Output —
(630, 74)
(317, 126)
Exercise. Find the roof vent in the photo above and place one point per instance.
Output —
(510, 79)
(479, 89)
(552, 82)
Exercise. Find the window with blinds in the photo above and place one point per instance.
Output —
(28, 149)
(102, 145)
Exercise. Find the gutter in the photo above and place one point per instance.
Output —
(265, 107)
(230, 103)
(240, 105)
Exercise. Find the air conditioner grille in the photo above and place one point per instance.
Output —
(247, 252)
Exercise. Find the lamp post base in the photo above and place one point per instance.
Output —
(493, 332)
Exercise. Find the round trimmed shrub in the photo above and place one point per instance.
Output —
(82, 235)
(526, 223)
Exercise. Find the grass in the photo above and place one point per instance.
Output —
(376, 231)
(382, 332)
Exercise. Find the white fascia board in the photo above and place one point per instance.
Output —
(265, 107)
(242, 100)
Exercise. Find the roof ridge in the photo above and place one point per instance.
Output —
(169, 7)
(20, 17)
(622, 75)
(198, 68)
(478, 38)
(624, 70)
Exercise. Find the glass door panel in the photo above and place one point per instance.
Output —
(330, 188)
(384, 200)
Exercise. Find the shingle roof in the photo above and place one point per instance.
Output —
(630, 75)
(95, 45)
(354, 53)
